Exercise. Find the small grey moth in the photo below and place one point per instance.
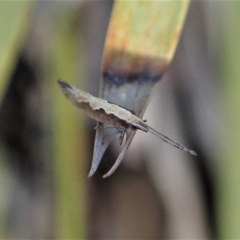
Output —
(112, 114)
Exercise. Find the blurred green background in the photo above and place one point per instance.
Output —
(46, 144)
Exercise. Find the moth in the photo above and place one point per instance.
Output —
(112, 114)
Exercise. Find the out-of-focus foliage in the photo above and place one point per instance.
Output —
(64, 149)
(69, 149)
(13, 25)
(158, 192)
(229, 174)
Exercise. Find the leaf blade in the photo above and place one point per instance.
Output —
(138, 51)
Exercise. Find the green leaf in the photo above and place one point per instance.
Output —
(69, 137)
(229, 166)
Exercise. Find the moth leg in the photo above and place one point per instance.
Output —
(120, 130)
(122, 134)
(97, 126)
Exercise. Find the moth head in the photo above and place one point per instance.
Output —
(64, 86)
(68, 90)
(72, 93)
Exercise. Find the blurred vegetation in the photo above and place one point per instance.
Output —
(13, 27)
(69, 151)
(46, 144)
(229, 174)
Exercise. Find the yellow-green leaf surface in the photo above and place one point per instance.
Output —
(69, 138)
(140, 44)
(14, 22)
(143, 32)
(229, 167)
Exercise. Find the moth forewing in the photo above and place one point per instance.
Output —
(97, 108)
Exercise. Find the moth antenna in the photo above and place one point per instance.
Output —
(170, 141)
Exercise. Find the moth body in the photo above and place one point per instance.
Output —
(112, 114)
(100, 109)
